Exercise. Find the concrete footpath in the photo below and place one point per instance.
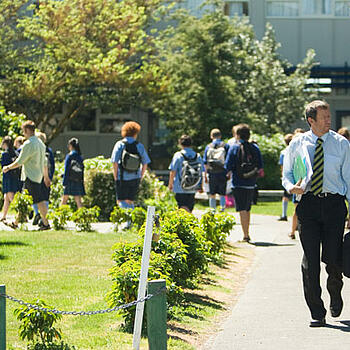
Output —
(271, 313)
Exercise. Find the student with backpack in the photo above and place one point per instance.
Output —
(51, 170)
(11, 179)
(73, 177)
(186, 169)
(215, 173)
(244, 162)
(130, 161)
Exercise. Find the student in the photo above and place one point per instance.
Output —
(186, 170)
(286, 196)
(51, 170)
(34, 170)
(73, 177)
(244, 161)
(215, 173)
(18, 143)
(11, 179)
(130, 161)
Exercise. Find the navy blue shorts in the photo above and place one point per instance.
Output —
(243, 198)
(74, 188)
(217, 184)
(185, 200)
(127, 189)
(38, 191)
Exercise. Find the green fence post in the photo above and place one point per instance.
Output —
(2, 318)
(156, 316)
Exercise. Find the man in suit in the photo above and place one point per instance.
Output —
(322, 210)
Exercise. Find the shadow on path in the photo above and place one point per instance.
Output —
(270, 244)
(344, 328)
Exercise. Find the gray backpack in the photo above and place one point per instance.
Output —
(191, 173)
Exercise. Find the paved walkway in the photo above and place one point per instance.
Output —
(271, 313)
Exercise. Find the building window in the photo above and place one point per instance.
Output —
(112, 125)
(236, 8)
(317, 7)
(342, 8)
(84, 121)
(283, 8)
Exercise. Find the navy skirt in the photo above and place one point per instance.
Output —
(10, 184)
(74, 188)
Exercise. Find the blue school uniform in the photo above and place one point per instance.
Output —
(10, 180)
(72, 188)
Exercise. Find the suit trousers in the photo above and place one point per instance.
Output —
(321, 225)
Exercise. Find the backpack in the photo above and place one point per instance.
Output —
(191, 173)
(216, 156)
(131, 158)
(49, 166)
(247, 162)
(76, 171)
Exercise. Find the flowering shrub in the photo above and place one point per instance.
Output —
(10, 123)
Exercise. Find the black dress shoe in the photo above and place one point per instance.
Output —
(318, 323)
(37, 218)
(336, 310)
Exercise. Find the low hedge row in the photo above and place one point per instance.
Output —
(180, 255)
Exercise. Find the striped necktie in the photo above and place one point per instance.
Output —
(317, 176)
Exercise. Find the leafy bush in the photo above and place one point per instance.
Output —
(217, 228)
(270, 147)
(37, 327)
(138, 217)
(100, 190)
(22, 205)
(60, 217)
(119, 216)
(10, 123)
(83, 218)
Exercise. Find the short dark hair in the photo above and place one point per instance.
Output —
(243, 131)
(185, 141)
(30, 125)
(312, 107)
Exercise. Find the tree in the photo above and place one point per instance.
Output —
(83, 54)
(220, 75)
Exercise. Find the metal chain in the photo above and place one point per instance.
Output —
(83, 313)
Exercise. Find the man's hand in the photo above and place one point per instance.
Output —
(47, 181)
(206, 178)
(296, 189)
(171, 186)
(5, 169)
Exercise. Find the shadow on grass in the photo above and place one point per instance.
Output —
(13, 244)
(2, 257)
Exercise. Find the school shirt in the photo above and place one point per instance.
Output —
(336, 170)
(117, 154)
(71, 155)
(205, 158)
(283, 153)
(230, 165)
(32, 158)
(176, 165)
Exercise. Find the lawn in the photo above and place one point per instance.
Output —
(273, 208)
(69, 270)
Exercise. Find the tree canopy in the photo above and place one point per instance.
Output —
(220, 75)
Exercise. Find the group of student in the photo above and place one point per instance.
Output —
(28, 163)
(238, 161)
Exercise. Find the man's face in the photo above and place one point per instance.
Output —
(26, 133)
(322, 124)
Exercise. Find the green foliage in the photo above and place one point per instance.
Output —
(217, 228)
(22, 205)
(138, 216)
(270, 148)
(60, 217)
(83, 218)
(114, 65)
(181, 253)
(119, 216)
(37, 327)
(10, 123)
(220, 75)
(100, 190)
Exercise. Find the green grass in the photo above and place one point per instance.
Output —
(273, 208)
(69, 270)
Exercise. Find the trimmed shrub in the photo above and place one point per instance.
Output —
(60, 217)
(83, 218)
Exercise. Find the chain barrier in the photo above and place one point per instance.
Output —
(84, 313)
